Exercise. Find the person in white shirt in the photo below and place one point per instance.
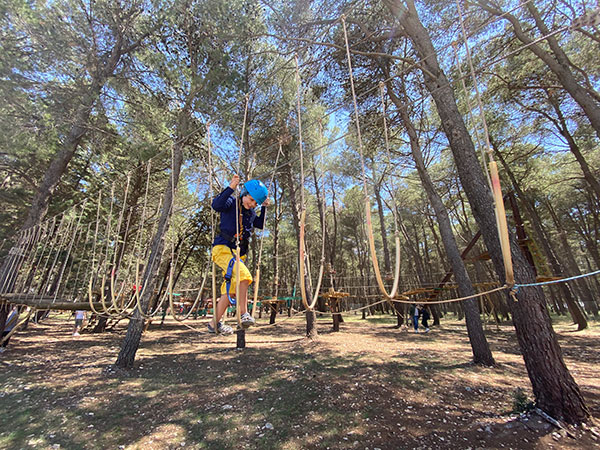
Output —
(79, 318)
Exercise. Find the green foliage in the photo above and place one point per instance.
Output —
(195, 60)
(521, 402)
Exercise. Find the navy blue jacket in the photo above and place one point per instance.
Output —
(225, 204)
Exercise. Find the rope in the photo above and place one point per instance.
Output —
(562, 280)
(212, 229)
(470, 113)
(369, 224)
(16, 327)
(522, 47)
(238, 223)
(394, 204)
(75, 232)
(194, 305)
(501, 224)
(303, 256)
(76, 291)
(260, 247)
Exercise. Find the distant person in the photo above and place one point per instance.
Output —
(79, 318)
(11, 322)
(425, 316)
(415, 313)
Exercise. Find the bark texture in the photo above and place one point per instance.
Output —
(554, 388)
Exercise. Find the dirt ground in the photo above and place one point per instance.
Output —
(370, 386)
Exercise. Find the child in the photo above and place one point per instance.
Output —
(236, 218)
(79, 317)
(415, 312)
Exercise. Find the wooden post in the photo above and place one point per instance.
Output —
(241, 338)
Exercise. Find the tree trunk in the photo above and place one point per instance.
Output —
(573, 269)
(479, 345)
(58, 166)
(554, 388)
(132, 339)
(536, 223)
(563, 128)
(273, 313)
(311, 324)
(311, 329)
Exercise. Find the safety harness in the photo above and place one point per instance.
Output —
(237, 239)
(228, 276)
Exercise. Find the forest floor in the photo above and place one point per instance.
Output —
(369, 386)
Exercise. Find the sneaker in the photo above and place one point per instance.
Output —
(76, 334)
(247, 320)
(426, 330)
(223, 329)
(2, 349)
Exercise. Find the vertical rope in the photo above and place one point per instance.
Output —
(94, 277)
(71, 243)
(114, 270)
(106, 254)
(44, 237)
(62, 236)
(212, 228)
(394, 204)
(136, 258)
(238, 212)
(369, 222)
(28, 262)
(495, 179)
(15, 250)
(76, 291)
(470, 114)
(302, 254)
(262, 235)
(173, 262)
(323, 224)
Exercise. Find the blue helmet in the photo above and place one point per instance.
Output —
(256, 189)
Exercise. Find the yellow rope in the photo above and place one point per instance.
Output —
(369, 225)
(302, 253)
(495, 179)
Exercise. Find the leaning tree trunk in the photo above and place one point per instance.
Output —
(479, 344)
(587, 297)
(554, 388)
(58, 166)
(576, 312)
(132, 339)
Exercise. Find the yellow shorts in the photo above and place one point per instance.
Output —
(221, 255)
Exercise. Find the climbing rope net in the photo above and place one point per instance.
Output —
(93, 255)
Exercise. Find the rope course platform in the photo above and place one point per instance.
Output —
(44, 303)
